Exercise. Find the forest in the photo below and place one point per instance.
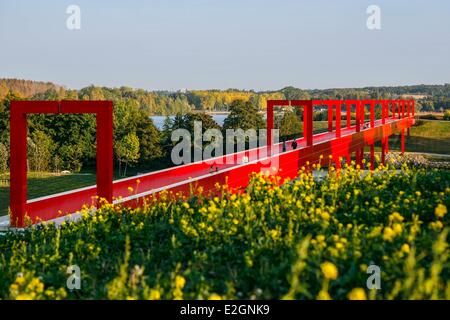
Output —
(67, 142)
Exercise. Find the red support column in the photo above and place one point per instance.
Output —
(387, 144)
(403, 130)
(330, 116)
(338, 164)
(393, 109)
(372, 114)
(413, 107)
(358, 118)
(18, 165)
(308, 123)
(338, 119)
(105, 152)
(269, 111)
(349, 113)
(383, 150)
(362, 110)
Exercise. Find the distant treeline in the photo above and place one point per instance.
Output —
(68, 142)
(430, 97)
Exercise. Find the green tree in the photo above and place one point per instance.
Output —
(290, 125)
(127, 151)
(40, 149)
(4, 156)
(243, 115)
(206, 120)
(149, 140)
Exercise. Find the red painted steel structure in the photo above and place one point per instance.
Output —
(18, 140)
(338, 143)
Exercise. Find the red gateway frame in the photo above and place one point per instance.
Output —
(18, 140)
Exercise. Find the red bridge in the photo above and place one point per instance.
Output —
(344, 137)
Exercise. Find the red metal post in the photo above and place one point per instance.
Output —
(358, 118)
(270, 105)
(362, 110)
(330, 116)
(387, 144)
(349, 113)
(105, 152)
(338, 164)
(308, 123)
(372, 114)
(18, 165)
(393, 109)
(338, 119)
(413, 107)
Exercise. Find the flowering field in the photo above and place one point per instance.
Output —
(305, 239)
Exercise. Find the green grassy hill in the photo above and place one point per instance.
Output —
(429, 136)
(305, 239)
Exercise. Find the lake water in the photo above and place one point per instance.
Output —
(159, 120)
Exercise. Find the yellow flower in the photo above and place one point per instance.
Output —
(214, 296)
(405, 248)
(320, 238)
(396, 217)
(329, 270)
(357, 294)
(130, 189)
(323, 295)
(440, 211)
(20, 280)
(180, 281)
(154, 294)
(274, 234)
(397, 228)
(325, 215)
(436, 226)
(388, 234)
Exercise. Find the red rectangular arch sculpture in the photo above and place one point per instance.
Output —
(18, 139)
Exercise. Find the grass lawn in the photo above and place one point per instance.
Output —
(43, 183)
(430, 136)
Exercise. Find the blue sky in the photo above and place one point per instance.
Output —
(246, 44)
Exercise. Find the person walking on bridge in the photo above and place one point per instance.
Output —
(294, 144)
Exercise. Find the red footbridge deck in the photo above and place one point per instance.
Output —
(348, 133)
